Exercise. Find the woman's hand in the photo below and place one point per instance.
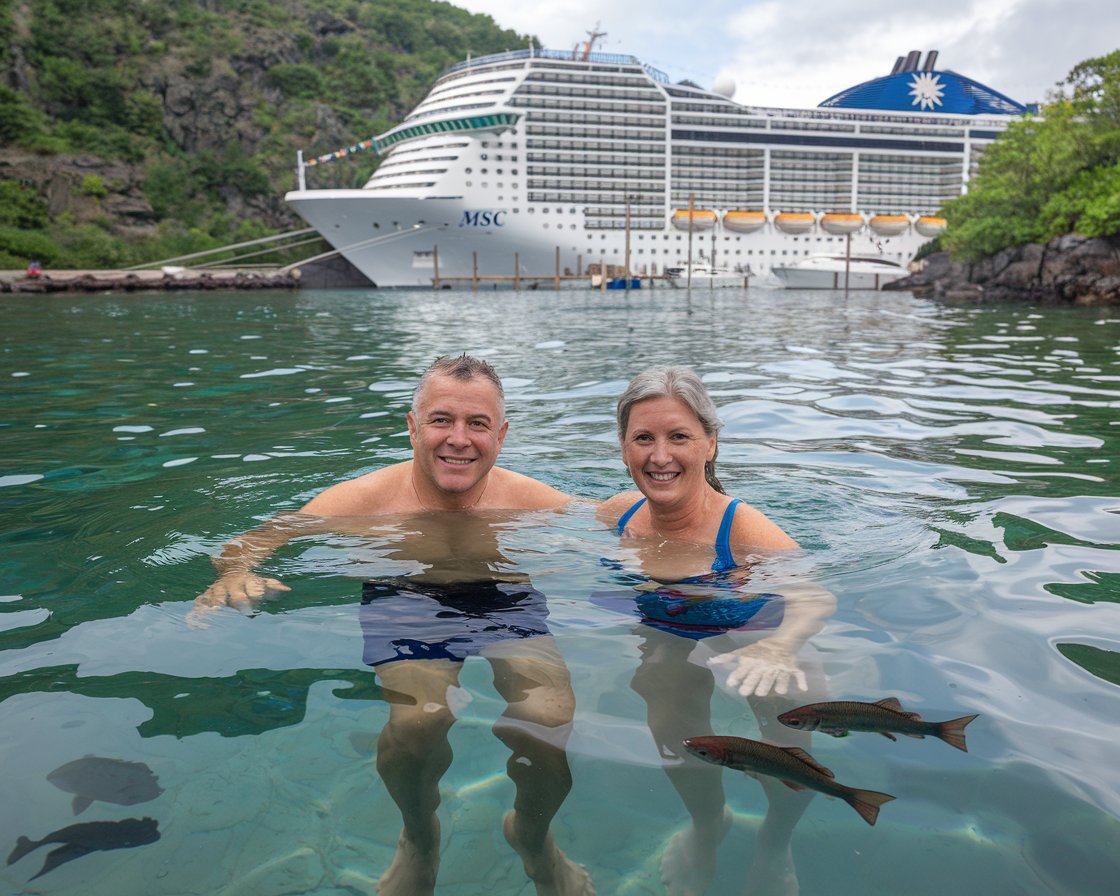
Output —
(760, 668)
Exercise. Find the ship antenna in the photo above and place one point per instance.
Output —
(589, 44)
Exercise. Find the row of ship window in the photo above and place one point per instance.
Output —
(538, 91)
(636, 80)
(592, 113)
(448, 87)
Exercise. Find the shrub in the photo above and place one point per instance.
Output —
(296, 80)
(21, 206)
(92, 185)
(18, 247)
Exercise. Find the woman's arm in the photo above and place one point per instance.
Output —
(771, 664)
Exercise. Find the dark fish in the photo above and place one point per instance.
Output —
(86, 837)
(887, 715)
(792, 766)
(110, 780)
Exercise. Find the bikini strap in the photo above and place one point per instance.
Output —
(724, 558)
(625, 518)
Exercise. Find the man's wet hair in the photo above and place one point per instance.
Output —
(464, 368)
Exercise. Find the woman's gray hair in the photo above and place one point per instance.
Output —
(463, 368)
(684, 385)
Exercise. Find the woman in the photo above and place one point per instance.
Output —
(693, 543)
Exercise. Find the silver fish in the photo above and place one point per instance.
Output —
(791, 765)
(882, 717)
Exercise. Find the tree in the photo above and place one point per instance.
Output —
(1049, 175)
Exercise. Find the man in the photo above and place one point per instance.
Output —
(419, 629)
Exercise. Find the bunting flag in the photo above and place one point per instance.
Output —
(342, 153)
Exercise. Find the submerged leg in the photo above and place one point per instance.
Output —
(533, 679)
(772, 872)
(678, 698)
(413, 753)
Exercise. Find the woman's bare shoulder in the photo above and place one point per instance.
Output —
(751, 527)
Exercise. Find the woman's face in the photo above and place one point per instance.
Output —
(665, 449)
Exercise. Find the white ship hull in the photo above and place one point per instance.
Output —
(535, 165)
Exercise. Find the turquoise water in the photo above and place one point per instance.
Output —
(952, 470)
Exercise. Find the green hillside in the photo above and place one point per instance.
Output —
(133, 130)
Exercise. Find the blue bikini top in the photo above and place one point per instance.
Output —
(724, 561)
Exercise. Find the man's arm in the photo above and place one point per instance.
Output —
(237, 585)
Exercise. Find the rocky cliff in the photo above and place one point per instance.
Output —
(128, 129)
(1069, 269)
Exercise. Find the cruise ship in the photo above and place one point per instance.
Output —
(538, 163)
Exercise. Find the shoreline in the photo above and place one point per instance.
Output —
(1069, 270)
(85, 281)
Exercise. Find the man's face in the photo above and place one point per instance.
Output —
(456, 434)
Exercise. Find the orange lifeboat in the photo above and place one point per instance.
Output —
(930, 225)
(889, 225)
(795, 222)
(744, 222)
(694, 219)
(841, 223)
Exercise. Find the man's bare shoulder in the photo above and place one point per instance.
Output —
(612, 509)
(508, 490)
(382, 491)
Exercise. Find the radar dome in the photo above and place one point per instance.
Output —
(724, 86)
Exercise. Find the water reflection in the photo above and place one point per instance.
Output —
(954, 483)
(250, 702)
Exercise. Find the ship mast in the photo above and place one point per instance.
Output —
(588, 45)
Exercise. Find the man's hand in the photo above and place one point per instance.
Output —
(238, 589)
(759, 668)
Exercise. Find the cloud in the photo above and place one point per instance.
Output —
(781, 53)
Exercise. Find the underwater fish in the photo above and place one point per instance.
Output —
(79, 839)
(109, 780)
(792, 766)
(883, 717)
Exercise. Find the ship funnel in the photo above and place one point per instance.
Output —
(912, 59)
(931, 60)
(898, 65)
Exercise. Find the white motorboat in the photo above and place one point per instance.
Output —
(839, 272)
(704, 277)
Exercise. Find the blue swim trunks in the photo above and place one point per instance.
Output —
(406, 620)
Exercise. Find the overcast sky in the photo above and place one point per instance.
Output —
(780, 53)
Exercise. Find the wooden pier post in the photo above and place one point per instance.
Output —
(690, 215)
(474, 274)
(557, 284)
(435, 266)
(517, 271)
(626, 256)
